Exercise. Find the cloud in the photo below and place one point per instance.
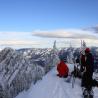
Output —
(93, 29)
(19, 42)
(18, 39)
(70, 33)
(38, 39)
(14, 35)
(67, 36)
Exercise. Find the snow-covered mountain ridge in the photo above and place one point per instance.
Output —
(19, 69)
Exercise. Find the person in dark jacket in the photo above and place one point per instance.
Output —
(87, 65)
(62, 69)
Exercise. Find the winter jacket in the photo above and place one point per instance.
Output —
(82, 62)
(62, 69)
(87, 80)
(89, 62)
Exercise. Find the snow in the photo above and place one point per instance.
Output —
(52, 86)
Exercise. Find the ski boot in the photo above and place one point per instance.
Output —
(85, 93)
(91, 94)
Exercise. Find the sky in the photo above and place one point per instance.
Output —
(21, 21)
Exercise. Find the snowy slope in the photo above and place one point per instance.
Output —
(52, 86)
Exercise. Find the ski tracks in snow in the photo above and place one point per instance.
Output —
(59, 91)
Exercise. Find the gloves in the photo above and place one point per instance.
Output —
(82, 69)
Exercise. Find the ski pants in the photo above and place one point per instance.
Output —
(87, 80)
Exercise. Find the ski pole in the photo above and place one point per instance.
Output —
(73, 78)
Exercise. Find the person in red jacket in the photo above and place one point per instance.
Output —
(62, 69)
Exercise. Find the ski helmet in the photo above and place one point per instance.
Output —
(87, 50)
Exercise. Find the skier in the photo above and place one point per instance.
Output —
(87, 63)
(62, 69)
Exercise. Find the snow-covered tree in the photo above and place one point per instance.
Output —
(20, 68)
(16, 73)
